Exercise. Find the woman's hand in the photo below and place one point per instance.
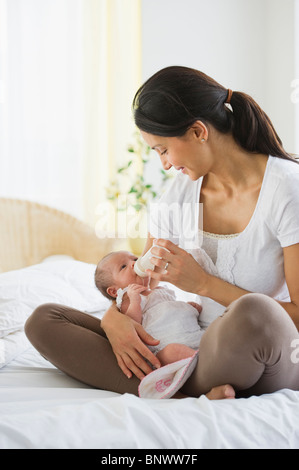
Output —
(127, 338)
(182, 269)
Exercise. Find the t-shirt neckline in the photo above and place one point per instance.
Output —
(258, 203)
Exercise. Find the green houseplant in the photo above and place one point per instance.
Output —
(132, 190)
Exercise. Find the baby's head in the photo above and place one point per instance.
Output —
(115, 271)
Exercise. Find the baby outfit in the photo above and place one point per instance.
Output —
(168, 319)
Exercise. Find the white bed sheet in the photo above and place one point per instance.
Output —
(42, 408)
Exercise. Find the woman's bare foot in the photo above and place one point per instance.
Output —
(216, 393)
(221, 392)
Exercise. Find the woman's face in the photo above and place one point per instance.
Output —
(185, 154)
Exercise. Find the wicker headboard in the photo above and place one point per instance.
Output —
(29, 232)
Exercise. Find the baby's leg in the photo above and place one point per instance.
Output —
(174, 352)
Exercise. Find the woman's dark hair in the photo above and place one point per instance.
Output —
(169, 103)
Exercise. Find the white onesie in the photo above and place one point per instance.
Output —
(167, 319)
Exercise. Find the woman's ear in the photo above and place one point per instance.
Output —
(200, 131)
(112, 291)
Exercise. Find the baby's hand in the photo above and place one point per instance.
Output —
(134, 291)
(196, 305)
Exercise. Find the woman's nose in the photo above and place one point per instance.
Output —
(165, 163)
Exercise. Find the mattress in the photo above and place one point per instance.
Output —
(42, 408)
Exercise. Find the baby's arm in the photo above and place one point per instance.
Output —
(131, 304)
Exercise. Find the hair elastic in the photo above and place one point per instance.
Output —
(229, 96)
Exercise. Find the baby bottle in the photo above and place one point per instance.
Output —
(144, 263)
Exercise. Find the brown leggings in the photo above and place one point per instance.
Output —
(249, 347)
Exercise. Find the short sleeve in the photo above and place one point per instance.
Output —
(286, 210)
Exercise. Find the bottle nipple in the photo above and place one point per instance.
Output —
(143, 263)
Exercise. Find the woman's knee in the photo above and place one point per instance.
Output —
(256, 311)
(37, 322)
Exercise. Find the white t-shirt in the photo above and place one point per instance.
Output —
(252, 260)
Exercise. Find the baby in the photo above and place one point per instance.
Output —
(172, 322)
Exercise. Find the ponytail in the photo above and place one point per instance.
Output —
(252, 128)
(169, 103)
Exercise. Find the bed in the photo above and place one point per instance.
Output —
(48, 256)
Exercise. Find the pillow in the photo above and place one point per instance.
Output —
(11, 346)
(64, 281)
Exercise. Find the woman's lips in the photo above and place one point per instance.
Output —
(180, 168)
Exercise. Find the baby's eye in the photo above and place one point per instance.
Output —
(123, 266)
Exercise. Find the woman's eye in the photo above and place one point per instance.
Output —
(164, 152)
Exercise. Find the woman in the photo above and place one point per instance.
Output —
(232, 161)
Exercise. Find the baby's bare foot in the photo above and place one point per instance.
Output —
(221, 392)
(174, 352)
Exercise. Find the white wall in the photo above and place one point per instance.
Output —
(279, 69)
(246, 45)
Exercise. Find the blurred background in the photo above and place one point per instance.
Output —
(69, 70)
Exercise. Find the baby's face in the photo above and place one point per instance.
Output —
(122, 269)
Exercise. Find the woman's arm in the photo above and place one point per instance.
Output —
(224, 293)
(291, 269)
(184, 272)
(128, 340)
